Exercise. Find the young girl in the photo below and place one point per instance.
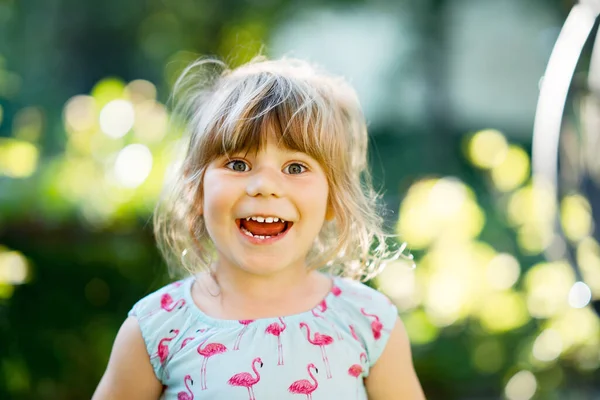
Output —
(274, 219)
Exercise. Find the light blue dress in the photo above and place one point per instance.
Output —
(321, 354)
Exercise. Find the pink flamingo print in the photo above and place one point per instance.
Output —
(172, 355)
(356, 370)
(244, 322)
(321, 341)
(276, 330)
(304, 386)
(355, 336)
(322, 306)
(167, 304)
(163, 348)
(186, 395)
(208, 351)
(339, 335)
(246, 380)
(376, 325)
(336, 291)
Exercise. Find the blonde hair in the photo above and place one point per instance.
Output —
(230, 110)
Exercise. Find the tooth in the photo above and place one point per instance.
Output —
(269, 220)
(248, 233)
(247, 218)
(261, 237)
(253, 218)
(275, 219)
(267, 237)
(260, 219)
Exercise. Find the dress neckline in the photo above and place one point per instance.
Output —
(219, 322)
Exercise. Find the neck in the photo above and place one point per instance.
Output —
(242, 293)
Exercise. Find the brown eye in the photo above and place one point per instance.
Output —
(295, 169)
(238, 166)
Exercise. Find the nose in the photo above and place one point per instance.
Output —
(264, 182)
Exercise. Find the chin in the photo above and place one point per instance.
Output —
(265, 265)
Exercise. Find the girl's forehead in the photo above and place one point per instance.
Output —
(268, 141)
(272, 148)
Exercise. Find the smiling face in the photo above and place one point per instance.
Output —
(268, 184)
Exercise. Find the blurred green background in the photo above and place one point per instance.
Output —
(449, 88)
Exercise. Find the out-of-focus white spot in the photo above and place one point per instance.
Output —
(133, 165)
(521, 386)
(579, 295)
(117, 118)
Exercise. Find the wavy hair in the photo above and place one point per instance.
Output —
(226, 111)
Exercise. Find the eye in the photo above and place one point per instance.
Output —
(238, 166)
(295, 169)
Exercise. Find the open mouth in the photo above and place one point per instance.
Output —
(263, 228)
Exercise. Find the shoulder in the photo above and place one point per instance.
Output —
(362, 299)
(169, 295)
(371, 315)
(162, 315)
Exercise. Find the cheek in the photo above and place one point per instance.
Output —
(316, 200)
(217, 197)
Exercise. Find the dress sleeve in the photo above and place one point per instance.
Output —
(372, 316)
(387, 315)
(160, 328)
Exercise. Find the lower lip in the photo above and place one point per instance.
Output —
(272, 239)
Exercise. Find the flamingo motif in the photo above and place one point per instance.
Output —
(322, 306)
(336, 291)
(356, 371)
(339, 335)
(319, 340)
(275, 329)
(304, 386)
(208, 351)
(376, 325)
(185, 341)
(244, 322)
(186, 395)
(246, 380)
(163, 348)
(166, 304)
(355, 336)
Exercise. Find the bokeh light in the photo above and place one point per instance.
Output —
(436, 208)
(140, 91)
(117, 118)
(521, 386)
(579, 295)
(575, 217)
(547, 286)
(577, 327)
(133, 165)
(548, 345)
(398, 281)
(588, 260)
(13, 268)
(487, 148)
(513, 171)
(18, 159)
(502, 312)
(503, 271)
(80, 113)
(150, 125)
